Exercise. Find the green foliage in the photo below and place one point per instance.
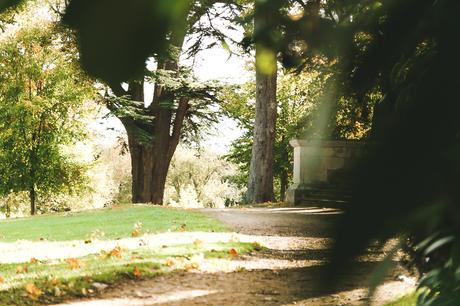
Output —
(8, 4)
(42, 108)
(405, 52)
(107, 25)
(200, 178)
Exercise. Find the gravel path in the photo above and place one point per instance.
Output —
(288, 273)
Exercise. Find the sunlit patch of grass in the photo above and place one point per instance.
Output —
(111, 223)
(407, 300)
(45, 282)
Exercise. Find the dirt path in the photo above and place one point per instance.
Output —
(287, 273)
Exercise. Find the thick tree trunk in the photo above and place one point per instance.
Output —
(260, 185)
(149, 171)
(33, 198)
(150, 159)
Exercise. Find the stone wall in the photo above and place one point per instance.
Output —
(323, 170)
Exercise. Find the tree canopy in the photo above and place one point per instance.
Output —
(42, 108)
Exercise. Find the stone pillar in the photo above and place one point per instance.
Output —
(323, 170)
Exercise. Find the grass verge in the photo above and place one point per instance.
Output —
(111, 223)
(407, 300)
(47, 282)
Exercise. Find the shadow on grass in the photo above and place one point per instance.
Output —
(47, 282)
(257, 287)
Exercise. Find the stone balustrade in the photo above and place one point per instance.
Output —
(323, 170)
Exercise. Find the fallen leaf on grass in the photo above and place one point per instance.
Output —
(74, 263)
(33, 260)
(33, 291)
(2, 280)
(116, 252)
(191, 266)
(135, 233)
(137, 229)
(256, 246)
(169, 262)
(233, 252)
(183, 227)
(137, 272)
(21, 269)
(54, 281)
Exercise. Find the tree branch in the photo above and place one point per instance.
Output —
(178, 123)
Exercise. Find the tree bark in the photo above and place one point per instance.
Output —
(32, 197)
(149, 171)
(260, 183)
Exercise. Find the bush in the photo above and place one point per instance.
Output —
(200, 178)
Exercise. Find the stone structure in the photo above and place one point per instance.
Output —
(323, 171)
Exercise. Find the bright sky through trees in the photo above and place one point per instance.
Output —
(211, 64)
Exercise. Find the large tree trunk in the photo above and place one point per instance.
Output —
(150, 158)
(149, 171)
(260, 184)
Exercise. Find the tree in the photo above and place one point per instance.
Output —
(260, 181)
(180, 104)
(42, 106)
(200, 178)
(298, 97)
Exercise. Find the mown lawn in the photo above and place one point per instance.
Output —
(46, 282)
(112, 223)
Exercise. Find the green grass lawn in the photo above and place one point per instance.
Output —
(58, 280)
(114, 223)
(44, 282)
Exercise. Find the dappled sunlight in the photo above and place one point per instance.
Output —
(266, 266)
(288, 286)
(307, 210)
(325, 165)
(385, 293)
(179, 296)
(21, 251)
